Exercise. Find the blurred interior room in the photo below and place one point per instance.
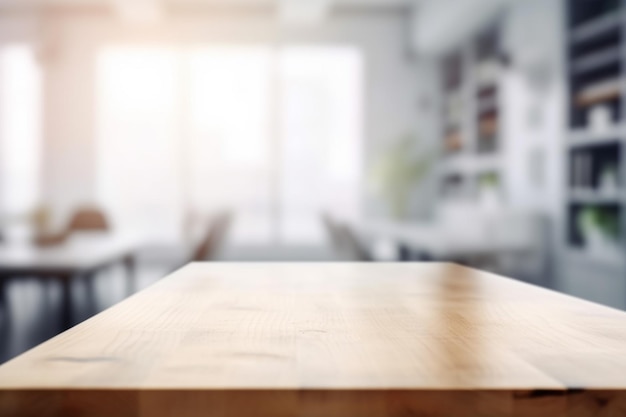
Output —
(137, 136)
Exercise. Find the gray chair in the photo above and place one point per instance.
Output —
(213, 239)
(88, 219)
(353, 246)
(345, 242)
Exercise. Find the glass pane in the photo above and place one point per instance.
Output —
(230, 110)
(139, 134)
(321, 138)
(20, 124)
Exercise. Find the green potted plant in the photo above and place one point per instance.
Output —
(599, 228)
(489, 184)
(398, 171)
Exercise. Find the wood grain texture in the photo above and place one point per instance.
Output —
(345, 340)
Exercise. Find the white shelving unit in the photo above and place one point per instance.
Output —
(595, 151)
(472, 143)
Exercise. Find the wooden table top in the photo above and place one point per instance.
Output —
(349, 340)
(81, 252)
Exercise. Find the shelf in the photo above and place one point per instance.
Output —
(590, 30)
(586, 137)
(583, 196)
(472, 164)
(596, 60)
(452, 127)
(456, 162)
(487, 161)
(595, 143)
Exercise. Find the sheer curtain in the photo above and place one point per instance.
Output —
(139, 162)
(272, 133)
(20, 134)
(321, 138)
(230, 121)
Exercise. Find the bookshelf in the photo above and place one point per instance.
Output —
(595, 198)
(487, 71)
(453, 103)
(471, 115)
(454, 138)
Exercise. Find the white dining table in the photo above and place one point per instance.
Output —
(81, 256)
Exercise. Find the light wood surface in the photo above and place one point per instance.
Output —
(345, 340)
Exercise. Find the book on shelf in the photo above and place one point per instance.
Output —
(599, 92)
(488, 125)
(453, 142)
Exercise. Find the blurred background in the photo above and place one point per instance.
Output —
(139, 135)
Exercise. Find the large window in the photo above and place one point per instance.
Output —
(320, 115)
(138, 148)
(272, 133)
(230, 111)
(20, 136)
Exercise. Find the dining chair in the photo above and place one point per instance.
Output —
(88, 219)
(213, 238)
(334, 233)
(353, 246)
(84, 219)
(345, 241)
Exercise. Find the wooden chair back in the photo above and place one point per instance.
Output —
(88, 219)
(207, 248)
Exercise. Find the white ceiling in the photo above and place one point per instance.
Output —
(235, 3)
(442, 24)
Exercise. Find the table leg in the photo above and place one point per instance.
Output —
(92, 299)
(4, 304)
(131, 274)
(3, 294)
(66, 300)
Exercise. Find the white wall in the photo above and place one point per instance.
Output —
(441, 25)
(69, 49)
(534, 89)
(18, 28)
(534, 98)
